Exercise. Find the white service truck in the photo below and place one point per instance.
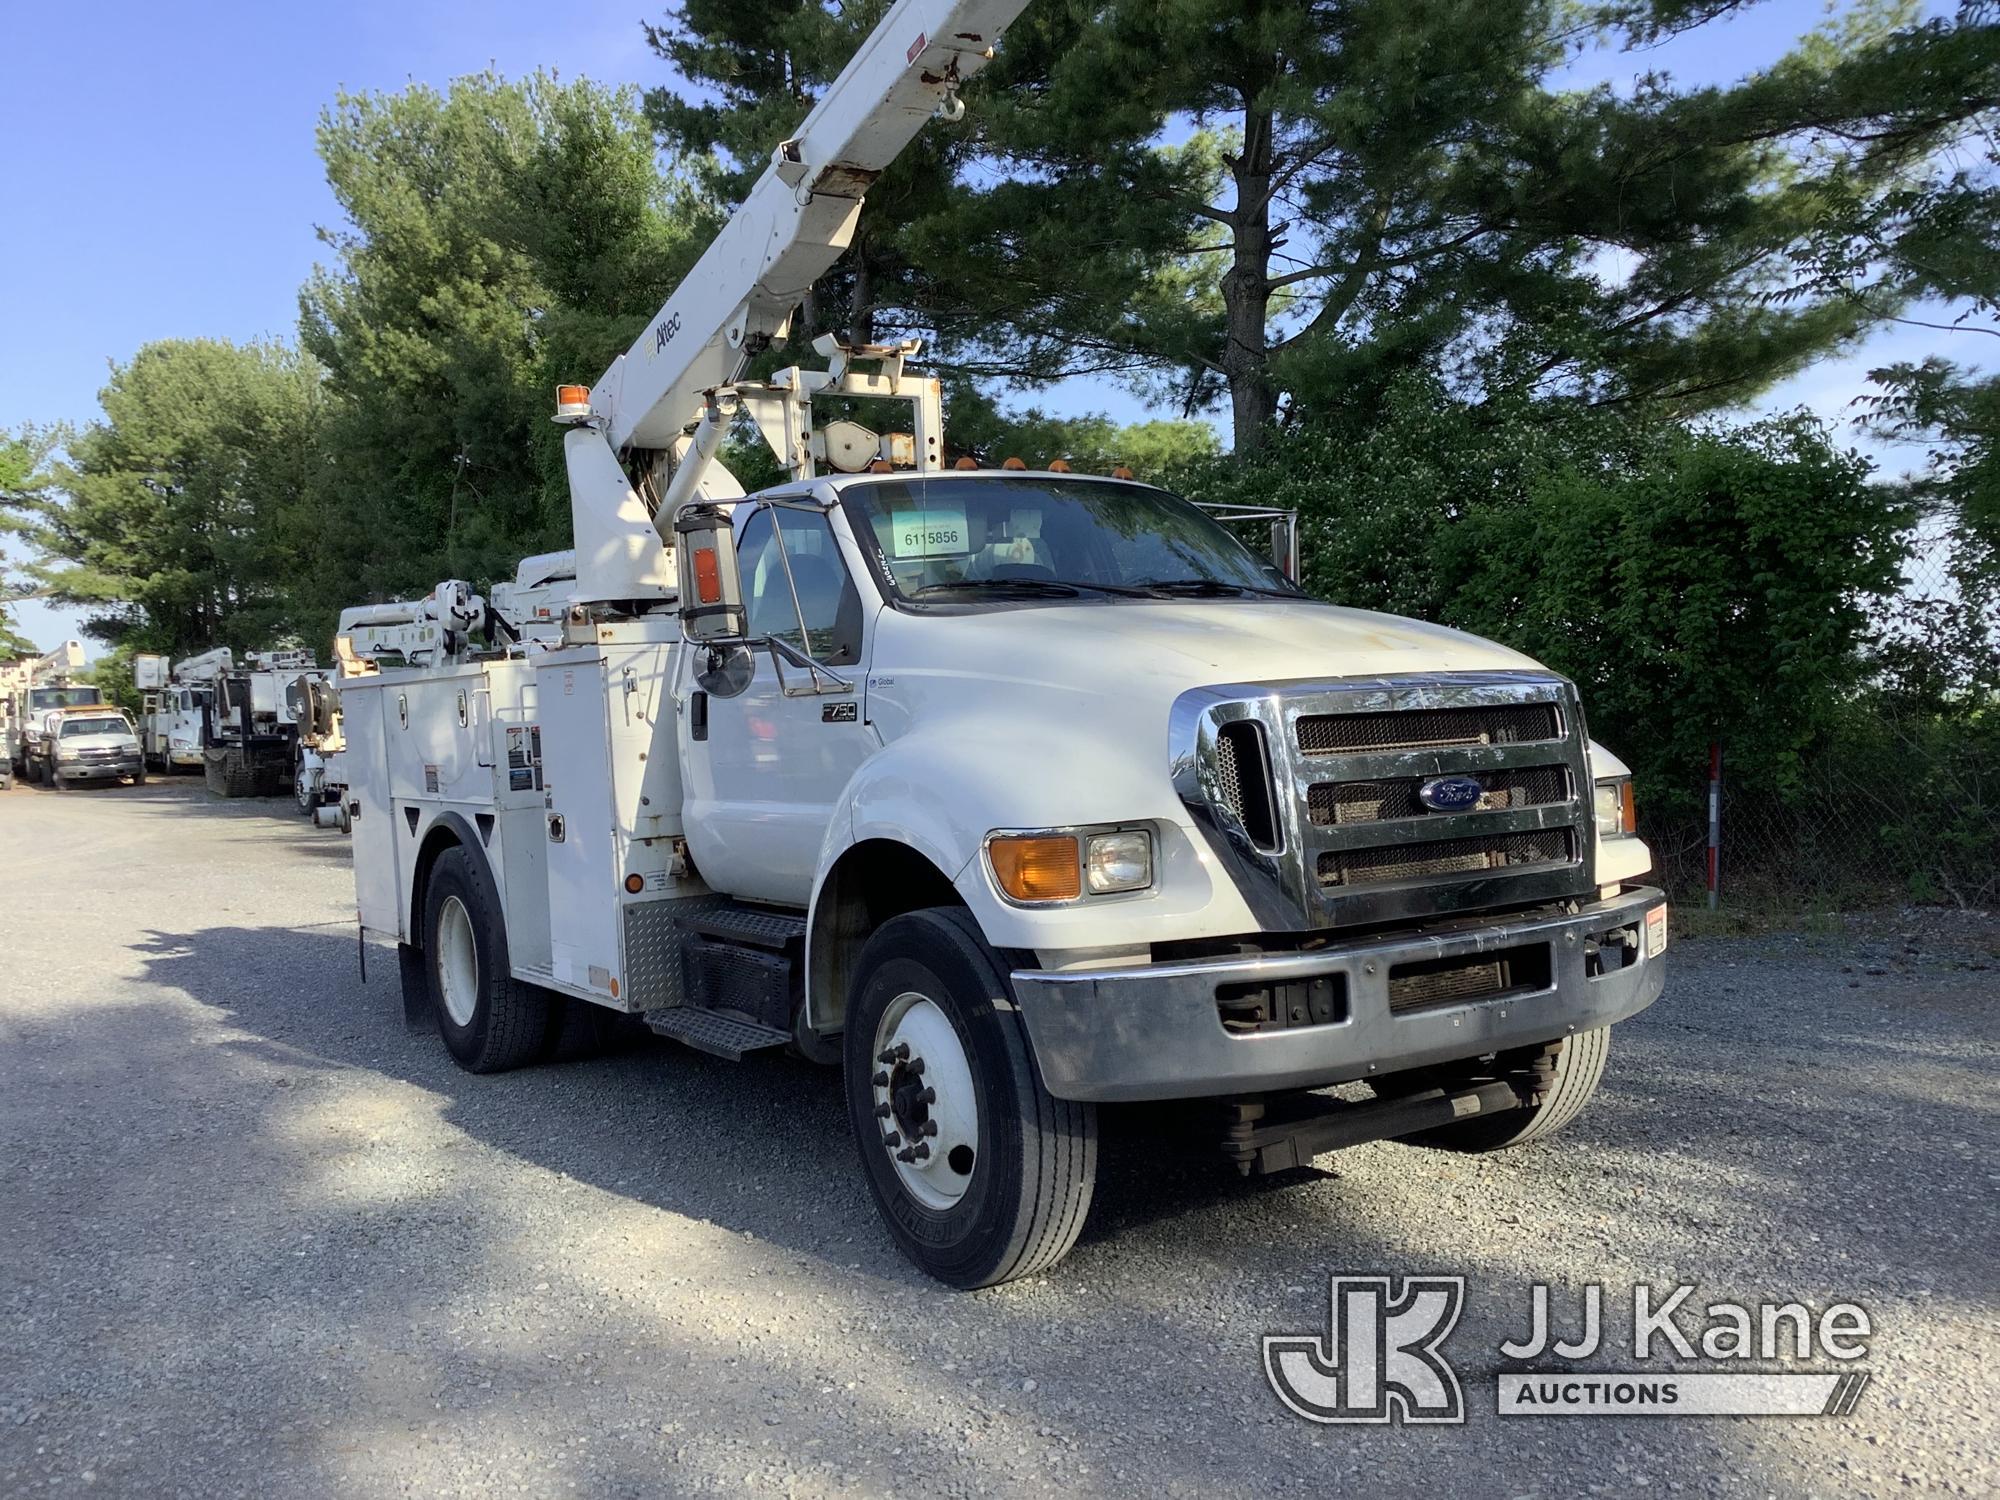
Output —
(31, 690)
(174, 703)
(1016, 795)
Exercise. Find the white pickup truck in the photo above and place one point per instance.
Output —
(1017, 795)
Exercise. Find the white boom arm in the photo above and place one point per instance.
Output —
(798, 218)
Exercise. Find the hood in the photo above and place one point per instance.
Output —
(1142, 655)
(120, 740)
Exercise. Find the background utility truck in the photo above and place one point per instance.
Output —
(1016, 795)
(173, 706)
(32, 688)
(248, 737)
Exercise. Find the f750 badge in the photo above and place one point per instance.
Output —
(839, 713)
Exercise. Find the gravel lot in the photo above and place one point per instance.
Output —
(260, 1240)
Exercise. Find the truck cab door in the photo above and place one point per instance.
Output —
(766, 766)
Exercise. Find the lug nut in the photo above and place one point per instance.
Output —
(892, 1140)
(916, 1067)
(930, 1127)
(930, 1096)
(920, 1151)
(894, 1054)
(883, 1111)
(880, 1080)
(907, 1154)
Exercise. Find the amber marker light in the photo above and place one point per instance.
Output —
(707, 575)
(635, 882)
(1036, 866)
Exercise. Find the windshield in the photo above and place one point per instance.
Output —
(949, 539)
(94, 726)
(64, 697)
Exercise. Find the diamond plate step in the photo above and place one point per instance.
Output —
(750, 926)
(714, 1032)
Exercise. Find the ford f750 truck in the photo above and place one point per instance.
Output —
(1015, 795)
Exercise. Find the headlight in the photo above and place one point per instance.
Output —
(1616, 814)
(1121, 861)
(1046, 868)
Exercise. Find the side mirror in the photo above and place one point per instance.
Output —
(711, 607)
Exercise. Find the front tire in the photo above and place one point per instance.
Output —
(490, 1021)
(1578, 1068)
(981, 1175)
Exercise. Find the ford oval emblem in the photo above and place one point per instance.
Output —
(1451, 793)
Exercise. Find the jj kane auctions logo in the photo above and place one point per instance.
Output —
(1381, 1358)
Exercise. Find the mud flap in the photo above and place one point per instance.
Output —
(417, 1015)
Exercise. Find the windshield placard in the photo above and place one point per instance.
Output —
(931, 531)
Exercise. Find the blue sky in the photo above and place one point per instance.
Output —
(161, 180)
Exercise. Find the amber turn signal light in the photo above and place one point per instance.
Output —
(1037, 867)
(635, 882)
(1628, 810)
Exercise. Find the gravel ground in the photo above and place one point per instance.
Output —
(260, 1240)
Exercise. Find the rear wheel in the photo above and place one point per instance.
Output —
(1577, 1065)
(981, 1175)
(490, 1021)
(303, 791)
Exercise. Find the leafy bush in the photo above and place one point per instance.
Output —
(1698, 585)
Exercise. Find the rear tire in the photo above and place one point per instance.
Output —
(302, 788)
(490, 1021)
(1008, 1191)
(1579, 1068)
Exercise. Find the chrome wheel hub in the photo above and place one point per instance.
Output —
(924, 1101)
(457, 962)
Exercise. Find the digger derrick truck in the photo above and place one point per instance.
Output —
(30, 691)
(248, 735)
(1015, 795)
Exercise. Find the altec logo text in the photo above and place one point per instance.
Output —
(1382, 1357)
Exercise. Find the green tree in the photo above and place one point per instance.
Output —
(1372, 187)
(24, 483)
(180, 517)
(500, 237)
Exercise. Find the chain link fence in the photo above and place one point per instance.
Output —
(1900, 802)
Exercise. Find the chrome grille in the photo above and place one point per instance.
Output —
(1428, 728)
(1445, 857)
(1374, 801)
(1349, 839)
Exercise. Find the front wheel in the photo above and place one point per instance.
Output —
(981, 1175)
(1577, 1067)
(490, 1021)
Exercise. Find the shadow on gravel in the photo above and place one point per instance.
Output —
(762, 1149)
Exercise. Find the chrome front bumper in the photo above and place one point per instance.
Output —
(94, 770)
(1153, 1031)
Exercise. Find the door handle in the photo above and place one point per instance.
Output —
(697, 715)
